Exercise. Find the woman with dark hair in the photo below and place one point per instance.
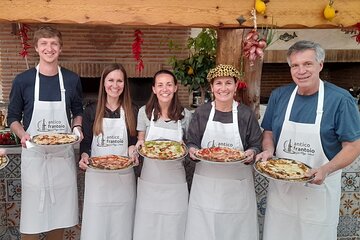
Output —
(162, 195)
(109, 200)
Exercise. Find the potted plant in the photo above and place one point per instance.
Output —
(193, 70)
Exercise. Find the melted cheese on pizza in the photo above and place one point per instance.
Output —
(164, 150)
(283, 168)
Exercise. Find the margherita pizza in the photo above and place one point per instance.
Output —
(55, 139)
(110, 162)
(163, 150)
(285, 169)
(220, 154)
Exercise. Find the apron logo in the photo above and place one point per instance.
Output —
(220, 144)
(298, 148)
(105, 141)
(50, 126)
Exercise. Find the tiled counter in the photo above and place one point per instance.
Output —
(10, 196)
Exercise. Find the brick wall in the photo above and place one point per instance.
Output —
(344, 75)
(94, 46)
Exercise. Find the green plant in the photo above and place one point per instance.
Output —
(193, 70)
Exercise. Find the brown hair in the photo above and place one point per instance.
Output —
(124, 100)
(47, 32)
(175, 108)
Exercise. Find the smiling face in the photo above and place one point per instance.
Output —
(305, 71)
(224, 89)
(48, 49)
(164, 88)
(114, 84)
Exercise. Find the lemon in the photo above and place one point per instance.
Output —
(190, 71)
(260, 6)
(329, 12)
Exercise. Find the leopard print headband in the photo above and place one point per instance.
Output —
(223, 70)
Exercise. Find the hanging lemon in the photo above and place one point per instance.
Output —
(329, 12)
(260, 6)
(190, 71)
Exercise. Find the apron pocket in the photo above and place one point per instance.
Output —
(221, 195)
(312, 203)
(109, 188)
(162, 198)
(279, 197)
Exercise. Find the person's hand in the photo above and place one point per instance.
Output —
(320, 175)
(133, 155)
(79, 130)
(24, 138)
(84, 161)
(2, 151)
(250, 155)
(265, 155)
(192, 151)
(139, 144)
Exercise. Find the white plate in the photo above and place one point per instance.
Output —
(109, 170)
(219, 162)
(162, 140)
(54, 145)
(283, 180)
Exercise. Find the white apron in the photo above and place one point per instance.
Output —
(162, 196)
(303, 211)
(109, 199)
(222, 202)
(49, 197)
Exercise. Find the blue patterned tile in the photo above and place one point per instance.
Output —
(261, 205)
(12, 170)
(13, 214)
(350, 182)
(2, 215)
(354, 167)
(9, 233)
(2, 190)
(13, 190)
(348, 226)
(261, 184)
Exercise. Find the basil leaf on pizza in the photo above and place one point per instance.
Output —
(284, 169)
(110, 162)
(163, 150)
(220, 154)
(55, 139)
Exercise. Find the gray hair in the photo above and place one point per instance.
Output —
(303, 45)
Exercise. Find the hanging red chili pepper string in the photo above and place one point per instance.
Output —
(23, 33)
(136, 49)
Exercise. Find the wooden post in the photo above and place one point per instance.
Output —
(229, 51)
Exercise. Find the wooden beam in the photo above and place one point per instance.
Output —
(229, 51)
(189, 13)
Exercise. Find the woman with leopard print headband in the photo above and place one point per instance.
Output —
(222, 199)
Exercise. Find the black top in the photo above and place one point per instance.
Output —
(88, 123)
(250, 132)
(22, 95)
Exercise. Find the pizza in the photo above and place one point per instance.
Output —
(286, 169)
(220, 154)
(110, 162)
(55, 139)
(3, 161)
(163, 150)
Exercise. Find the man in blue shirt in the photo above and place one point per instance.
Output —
(317, 123)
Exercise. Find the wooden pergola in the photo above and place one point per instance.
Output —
(219, 14)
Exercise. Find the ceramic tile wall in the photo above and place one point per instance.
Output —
(10, 194)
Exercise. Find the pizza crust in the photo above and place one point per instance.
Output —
(286, 169)
(110, 162)
(220, 154)
(163, 150)
(55, 139)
